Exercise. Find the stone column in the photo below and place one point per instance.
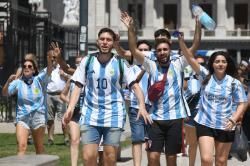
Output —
(100, 14)
(221, 18)
(92, 34)
(185, 17)
(114, 15)
(148, 31)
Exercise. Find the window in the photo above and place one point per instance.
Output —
(170, 16)
(240, 16)
(136, 11)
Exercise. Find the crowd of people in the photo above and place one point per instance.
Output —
(162, 102)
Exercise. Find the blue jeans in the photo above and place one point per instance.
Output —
(138, 127)
(93, 135)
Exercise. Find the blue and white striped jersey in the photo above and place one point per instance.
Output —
(217, 98)
(172, 104)
(30, 97)
(103, 105)
(193, 86)
(144, 86)
(79, 104)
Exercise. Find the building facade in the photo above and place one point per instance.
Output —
(231, 16)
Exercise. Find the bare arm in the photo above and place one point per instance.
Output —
(197, 37)
(59, 59)
(142, 110)
(126, 54)
(72, 103)
(6, 85)
(64, 94)
(189, 55)
(128, 22)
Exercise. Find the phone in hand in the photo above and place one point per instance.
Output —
(176, 34)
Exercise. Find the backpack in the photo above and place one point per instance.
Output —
(91, 58)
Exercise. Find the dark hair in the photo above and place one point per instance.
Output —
(108, 30)
(34, 66)
(230, 70)
(162, 32)
(160, 41)
(144, 42)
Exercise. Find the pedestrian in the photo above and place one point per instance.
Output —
(74, 129)
(216, 117)
(54, 104)
(168, 111)
(192, 94)
(103, 111)
(137, 126)
(31, 103)
(29, 56)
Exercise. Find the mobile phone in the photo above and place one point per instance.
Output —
(176, 34)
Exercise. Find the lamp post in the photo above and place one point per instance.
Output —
(83, 27)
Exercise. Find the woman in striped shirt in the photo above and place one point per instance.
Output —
(217, 117)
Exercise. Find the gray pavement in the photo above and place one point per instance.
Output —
(126, 154)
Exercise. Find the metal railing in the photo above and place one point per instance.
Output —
(7, 107)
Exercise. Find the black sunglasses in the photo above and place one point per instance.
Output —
(27, 66)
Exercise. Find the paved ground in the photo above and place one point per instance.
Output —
(126, 154)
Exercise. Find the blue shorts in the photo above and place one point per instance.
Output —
(138, 127)
(34, 120)
(93, 135)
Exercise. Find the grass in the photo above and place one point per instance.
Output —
(8, 147)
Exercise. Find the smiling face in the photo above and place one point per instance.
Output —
(28, 69)
(220, 65)
(163, 52)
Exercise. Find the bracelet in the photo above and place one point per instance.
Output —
(232, 121)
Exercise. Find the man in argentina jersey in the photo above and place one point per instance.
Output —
(167, 113)
(103, 111)
(138, 128)
(222, 104)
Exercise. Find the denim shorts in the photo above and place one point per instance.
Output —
(93, 135)
(33, 121)
(138, 127)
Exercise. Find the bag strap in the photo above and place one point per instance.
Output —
(140, 75)
(165, 74)
(121, 68)
(89, 60)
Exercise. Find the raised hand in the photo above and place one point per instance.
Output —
(56, 49)
(127, 20)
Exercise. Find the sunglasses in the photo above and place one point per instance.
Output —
(27, 66)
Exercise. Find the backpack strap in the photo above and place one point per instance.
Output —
(121, 68)
(89, 60)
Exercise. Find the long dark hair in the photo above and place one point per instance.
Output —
(230, 70)
(34, 66)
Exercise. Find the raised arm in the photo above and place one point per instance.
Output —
(188, 55)
(59, 59)
(126, 54)
(6, 85)
(49, 62)
(197, 37)
(129, 23)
